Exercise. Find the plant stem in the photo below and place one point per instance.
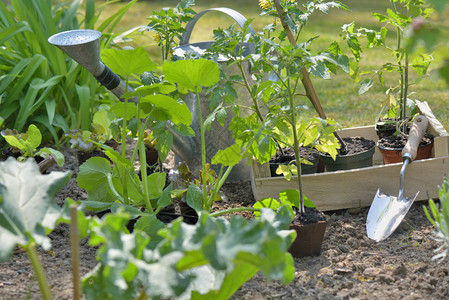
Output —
(253, 97)
(296, 149)
(203, 150)
(74, 245)
(124, 133)
(39, 271)
(232, 210)
(404, 101)
(219, 184)
(113, 190)
(143, 161)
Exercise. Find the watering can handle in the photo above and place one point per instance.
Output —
(415, 136)
(238, 17)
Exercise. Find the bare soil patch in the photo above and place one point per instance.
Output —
(350, 266)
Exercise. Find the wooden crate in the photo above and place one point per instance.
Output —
(357, 187)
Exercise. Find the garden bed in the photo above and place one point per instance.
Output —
(357, 187)
(350, 264)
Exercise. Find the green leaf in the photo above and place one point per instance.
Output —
(27, 207)
(266, 203)
(365, 85)
(156, 184)
(93, 177)
(192, 74)
(165, 199)
(194, 198)
(128, 62)
(229, 156)
(34, 136)
(151, 225)
(167, 108)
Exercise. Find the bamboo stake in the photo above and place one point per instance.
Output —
(74, 243)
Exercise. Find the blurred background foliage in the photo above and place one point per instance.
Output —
(40, 84)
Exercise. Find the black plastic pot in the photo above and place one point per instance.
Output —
(348, 162)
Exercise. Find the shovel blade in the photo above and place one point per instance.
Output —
(385, 215)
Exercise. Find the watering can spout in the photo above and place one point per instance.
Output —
(83, 46)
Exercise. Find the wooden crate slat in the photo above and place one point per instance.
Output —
(357, 188)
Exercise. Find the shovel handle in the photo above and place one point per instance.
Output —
(415, 136)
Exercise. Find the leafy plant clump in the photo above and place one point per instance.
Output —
(28, 212)
(439, 217)
(25, 145)
(401, 19)
(279, 80)
(39, 85)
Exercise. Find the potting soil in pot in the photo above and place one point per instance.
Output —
(311, 215)
(288, 154)
(399, 141)
(357, 144)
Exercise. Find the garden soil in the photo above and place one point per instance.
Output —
(351, 266)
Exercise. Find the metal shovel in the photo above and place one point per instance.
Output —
(386, 212)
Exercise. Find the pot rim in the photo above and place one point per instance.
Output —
(400, 149)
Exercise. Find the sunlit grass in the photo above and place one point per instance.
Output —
(338, 96)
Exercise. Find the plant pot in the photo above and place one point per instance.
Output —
(309, 239)
(289, 155)
(393, 155)
(385, 127)
(310, 236)
(151, 155)
(83, 156)
(359, 157)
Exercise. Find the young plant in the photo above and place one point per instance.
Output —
(28, 212)
(279, 70)
(104, 128)
(26, 144)
(167, 25)
(439, 218)
(152, 108)
(399, 19)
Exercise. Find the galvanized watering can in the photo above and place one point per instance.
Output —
(188, 149)
(83, 46)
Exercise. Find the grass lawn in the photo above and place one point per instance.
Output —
(338, 96)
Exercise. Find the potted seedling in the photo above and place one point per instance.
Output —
(88, 143)
(398, 110)
(278, 68)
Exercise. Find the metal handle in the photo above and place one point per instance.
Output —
(238, 17)
(415, 136)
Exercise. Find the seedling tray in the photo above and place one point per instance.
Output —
(356, 188)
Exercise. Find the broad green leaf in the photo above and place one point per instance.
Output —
(34, 136)
(266, 203)
(365, 85)
(167, 108)
(93, 177)
(120, 109)
(229, 156)
(192, 74)
(194, 198)
(27, 204)
(156, 184)
(213, 257)
(165, 199)
(150, 224)
(128, 62)
(95, 205)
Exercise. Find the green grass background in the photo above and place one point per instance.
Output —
(338, 96)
